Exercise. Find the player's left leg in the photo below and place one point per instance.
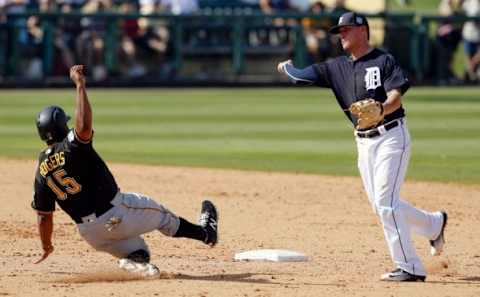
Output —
(133, 253)
(427, 224)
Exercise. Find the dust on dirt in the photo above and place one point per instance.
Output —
(327, 218)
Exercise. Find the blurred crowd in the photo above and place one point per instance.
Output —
(143, 46)
(450, 34)
(142, 42)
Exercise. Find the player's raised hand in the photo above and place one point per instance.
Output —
(281, 65)
(77, 75)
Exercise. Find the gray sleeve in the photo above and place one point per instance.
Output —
(306, 76)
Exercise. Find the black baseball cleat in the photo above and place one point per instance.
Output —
(436, 245)
(400, 275)
(209, 221)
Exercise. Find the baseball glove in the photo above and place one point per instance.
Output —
(368, 112)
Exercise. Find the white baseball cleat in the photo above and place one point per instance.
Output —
(143, 269)
(436, 245)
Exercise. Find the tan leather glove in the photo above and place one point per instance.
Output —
(368, 112)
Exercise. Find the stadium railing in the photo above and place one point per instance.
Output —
(405, 35)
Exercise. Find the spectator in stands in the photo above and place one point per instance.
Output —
(143, 45)
(65, 31)
(155, 27)
(34, 65)
(13, 6)
(90, 44)
(128, 60)
(447, 38)
(301, 5)
(274, 6)
(274, 36)
(73, 5)
(473, 66)
(180, 6)
(471, 38)
(339, 7)
(22, 42)
(316, 33)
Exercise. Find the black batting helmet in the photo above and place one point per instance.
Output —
(52, 124)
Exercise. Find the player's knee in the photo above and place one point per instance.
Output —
(385, 201)
(385, 213)
(140, 256)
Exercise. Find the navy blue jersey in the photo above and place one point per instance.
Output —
(371, 76)
(71, 173)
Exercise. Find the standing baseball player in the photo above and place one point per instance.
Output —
(368, 86)
(71, 173)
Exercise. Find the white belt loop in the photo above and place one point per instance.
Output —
(89, 219)
(117, 200)
(382, 130)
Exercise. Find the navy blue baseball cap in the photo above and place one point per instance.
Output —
(350, 19)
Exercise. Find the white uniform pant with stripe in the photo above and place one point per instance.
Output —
(383, 162)
(134, 214)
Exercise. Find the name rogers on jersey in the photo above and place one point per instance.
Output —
(51, 163)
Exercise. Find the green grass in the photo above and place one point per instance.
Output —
(283, 129)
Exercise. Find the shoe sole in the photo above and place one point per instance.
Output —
(404, 277)
(407, 280)
(434, 251)
(217, 219)
(142, 269)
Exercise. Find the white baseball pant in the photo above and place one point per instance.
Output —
(383, 162)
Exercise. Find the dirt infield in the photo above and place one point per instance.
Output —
(328, 218)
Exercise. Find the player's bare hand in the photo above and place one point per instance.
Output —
(46, 252)
(77, 75)
(281, 65)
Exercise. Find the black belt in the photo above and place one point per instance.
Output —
(103, 209)
(99, 211)
(376, 131)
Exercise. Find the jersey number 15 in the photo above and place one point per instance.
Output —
(69, 184)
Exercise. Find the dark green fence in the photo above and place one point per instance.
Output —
(406, 36)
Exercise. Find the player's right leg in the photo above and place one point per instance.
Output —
(207, 230)
(391, 161)
(366, 169)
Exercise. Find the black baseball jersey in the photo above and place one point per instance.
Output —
(73, 174)
(370, 76)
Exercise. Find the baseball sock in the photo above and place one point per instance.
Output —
(189, 230)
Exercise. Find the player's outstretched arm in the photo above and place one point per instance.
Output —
(45, 229)
(83, 110)
(305, 76)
